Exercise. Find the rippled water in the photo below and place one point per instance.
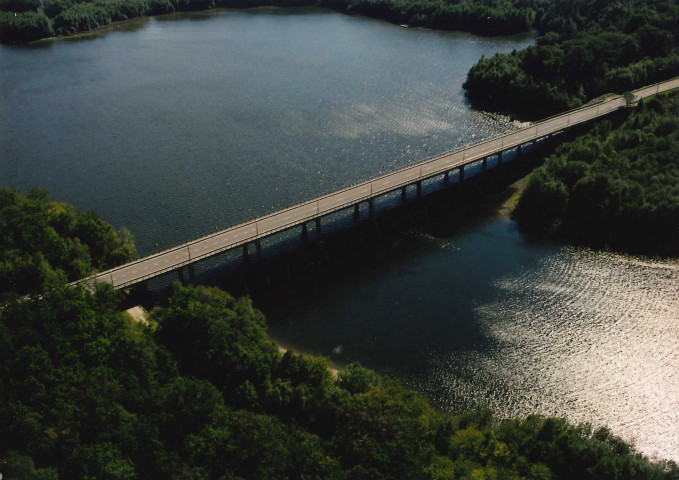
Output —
(586, 335)
(177, 125)
(482, 315)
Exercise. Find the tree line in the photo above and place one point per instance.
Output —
(586, 48)
(613, 187)
(201, 393)
(27, 20)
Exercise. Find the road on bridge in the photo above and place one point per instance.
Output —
(177, 257)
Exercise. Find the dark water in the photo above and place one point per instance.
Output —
(481, 315)
(183, 124)
(179, 125)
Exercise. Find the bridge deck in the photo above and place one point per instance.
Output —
(232, 237)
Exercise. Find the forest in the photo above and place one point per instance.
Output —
(201, 393)
(586, 48)
(44, 242)
(27, 20)
(615, 187)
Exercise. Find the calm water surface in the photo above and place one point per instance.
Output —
(179, 125)
(187, 123)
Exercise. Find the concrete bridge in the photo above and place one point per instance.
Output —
(455, 162)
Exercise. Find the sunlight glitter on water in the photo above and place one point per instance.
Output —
(589, 336)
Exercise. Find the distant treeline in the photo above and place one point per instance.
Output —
(587, 48)
(27, 20)
(613, 187)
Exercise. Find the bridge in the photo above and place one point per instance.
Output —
(239, 236)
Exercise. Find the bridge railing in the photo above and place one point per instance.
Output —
(361, 191)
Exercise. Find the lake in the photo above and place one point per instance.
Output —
(178, 125)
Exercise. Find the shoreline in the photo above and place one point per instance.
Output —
(333, 368)
(139, 314)
(116, 24)
(506, 208)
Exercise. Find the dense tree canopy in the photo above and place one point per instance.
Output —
(615, 187)
(587, 48)
(46, 242)
(85, 393)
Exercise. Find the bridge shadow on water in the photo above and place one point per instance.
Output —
(292, 273)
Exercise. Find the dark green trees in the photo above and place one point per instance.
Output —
(43, 242)
(615, 188)
(86, 394)
(201, 393)
(25, 20)
(588, 48)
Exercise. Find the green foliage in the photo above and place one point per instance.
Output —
(617, 188)
(24, 26)
(356, 379)
(21, 467)
(44, 243)
(207, 396)
(385, 433)
(214, 336)
(84, 396)
(485, 17)
(66, 17)
(588, 48)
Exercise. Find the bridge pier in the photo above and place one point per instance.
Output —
(318, 227)
(258, 248)
(357, 212)
(264, 272)
(403, 194)
(419, 189)
(343, 244)
(484, 164)
(182, 277)
(461, 169)
(371, 208)
(305, 232)
(446, 178)
(246, 256)
(286, 267)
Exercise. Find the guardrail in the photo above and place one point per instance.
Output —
(263, 226)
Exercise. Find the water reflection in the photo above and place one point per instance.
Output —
(480, 315)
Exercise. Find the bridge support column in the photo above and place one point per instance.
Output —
(180, 274)
(192, 274)
(246, 256)
(258, 248)
(357, 212)
(484, 165)
(461, 168)
(318, 227)
(518, 150)
(371, 208)
(499, 159)
(446, 178)
(343, 244)
(305, 233)
(403, 195)
(419, 188)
